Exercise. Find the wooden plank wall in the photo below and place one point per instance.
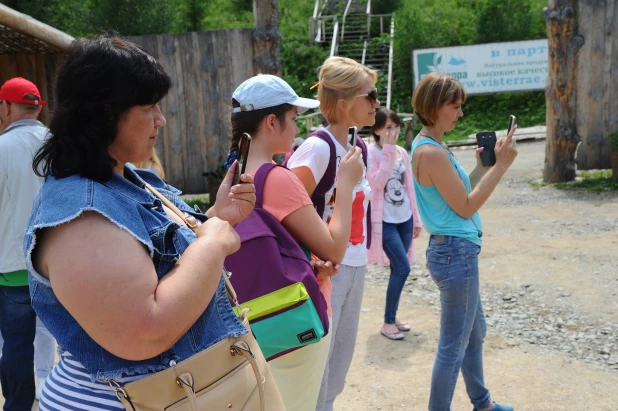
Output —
(597, 82)
(38, 68)
(205, 67)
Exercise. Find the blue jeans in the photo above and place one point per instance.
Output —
(453, 265)
(396, 240)
(18, 325)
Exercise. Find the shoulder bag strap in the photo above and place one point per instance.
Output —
(191, 222)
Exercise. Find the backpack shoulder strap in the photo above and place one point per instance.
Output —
(361, 143)
(328, 179)
(259, 180)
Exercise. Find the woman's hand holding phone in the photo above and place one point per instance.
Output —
(350, 168)
(506, 149)
(234, 203)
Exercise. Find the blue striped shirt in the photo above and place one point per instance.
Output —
(68, 387)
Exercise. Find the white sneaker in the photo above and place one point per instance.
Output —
(40, 382)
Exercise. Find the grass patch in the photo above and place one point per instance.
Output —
(203, 202)
(592, 181)
(537, 184)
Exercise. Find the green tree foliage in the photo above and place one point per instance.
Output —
(431, 23)
(418, 24)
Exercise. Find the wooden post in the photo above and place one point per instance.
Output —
(266, 38)
(597, 83)
(561, 90)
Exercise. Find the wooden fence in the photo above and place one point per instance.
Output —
(205, 67)
(38, 68)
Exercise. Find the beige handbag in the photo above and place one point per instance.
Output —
(230, 375)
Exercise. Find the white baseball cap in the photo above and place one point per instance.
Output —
(266, 90)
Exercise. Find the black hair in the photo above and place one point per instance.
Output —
(99, 80)
(249, 121)
(382, 115)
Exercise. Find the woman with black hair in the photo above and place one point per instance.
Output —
(104, 254)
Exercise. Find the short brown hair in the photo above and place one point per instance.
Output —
(435, 90)
(340, 78)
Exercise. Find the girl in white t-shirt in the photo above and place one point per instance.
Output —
(348, 97)
(394, 215)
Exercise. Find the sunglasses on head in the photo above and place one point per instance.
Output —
(372, 96)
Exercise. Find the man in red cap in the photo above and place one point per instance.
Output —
(22, 136)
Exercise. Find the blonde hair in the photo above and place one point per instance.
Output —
(435, 90)
(340, 78)
(152, 161)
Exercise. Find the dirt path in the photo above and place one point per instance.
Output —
(549, 284)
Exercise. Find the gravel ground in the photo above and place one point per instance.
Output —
(549, 286)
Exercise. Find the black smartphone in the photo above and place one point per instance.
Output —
(512, 120)
(487, 140)
(353, 131)
(243, 154)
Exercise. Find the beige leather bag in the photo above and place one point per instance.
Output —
(230, 375)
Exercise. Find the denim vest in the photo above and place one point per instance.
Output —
(128, 205)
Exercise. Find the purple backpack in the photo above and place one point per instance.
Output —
(328, 179)
(272, 276)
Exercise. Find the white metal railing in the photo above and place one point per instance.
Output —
(317, 10)
(335, 40)
(318, 28)
(364, 52)
(345, 14)
(390, 64)
(368, 18)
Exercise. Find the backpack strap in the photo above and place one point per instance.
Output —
(318, 197)
(360, 143)
(259, 180)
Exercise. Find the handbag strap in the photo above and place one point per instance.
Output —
(191, 222)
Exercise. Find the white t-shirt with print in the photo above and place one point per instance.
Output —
(314, 153)
(397, 208)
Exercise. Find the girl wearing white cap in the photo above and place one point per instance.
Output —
(348, 97)
(265, 107)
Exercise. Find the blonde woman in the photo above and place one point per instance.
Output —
(153, 164)
(348, 97)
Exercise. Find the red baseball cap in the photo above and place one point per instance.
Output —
(21, 91)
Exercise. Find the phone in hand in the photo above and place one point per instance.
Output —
(512, 120)
(353, 131)
(243, 154)
(487, 140)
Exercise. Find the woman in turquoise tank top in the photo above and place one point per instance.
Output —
(449, 199)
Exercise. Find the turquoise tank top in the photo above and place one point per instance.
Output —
(438, 217)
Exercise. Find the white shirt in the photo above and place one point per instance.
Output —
(397, 208)
(18, 188)
(314, 153)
